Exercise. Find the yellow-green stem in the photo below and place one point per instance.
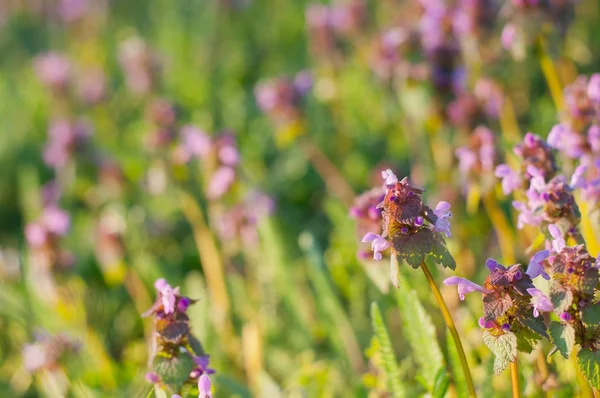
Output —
(550, 73)
(452, 328)
(514, 378)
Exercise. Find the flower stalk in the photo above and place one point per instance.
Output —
(514, 378)
(452, 327)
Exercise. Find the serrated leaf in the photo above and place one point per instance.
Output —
(526, 339)
(503, 346)
(441, 255)
(173, 371)
(563, 337)
(588, 282)
(589, 362)
(418, 329)
(561, 298)
(536, 324)
(386, 351)
(591, 314)
(413, 247)
(495, 306)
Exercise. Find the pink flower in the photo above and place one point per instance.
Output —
(442, 225)
(204, 387)
(465, 286)
(558, 243)
(510, 178)
(52, 69)
(195, 141)
(36, 234)
(220, 182)
(378, 244)
(539, 301)
(593, 89)
(56, 220)
(389, 177)
(536, 268)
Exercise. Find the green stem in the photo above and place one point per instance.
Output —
(514, 378)
(452, 328)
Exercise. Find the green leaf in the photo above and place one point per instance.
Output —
(413, 247)
(174, 371)
(441, 255)
(503, 346)
(591, 314)
(526, 339)
(386, 351)
(563, 337)
(460, 382)
(536, 324)
(561, 298)
(441, 384)
(420, 332)
(589, 362)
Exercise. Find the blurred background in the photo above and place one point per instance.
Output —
(221, 144)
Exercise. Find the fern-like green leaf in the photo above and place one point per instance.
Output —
(420, 333)
(458, 375)
(390, 366)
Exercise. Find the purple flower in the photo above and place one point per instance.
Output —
(183, 304)
(486, 324)
(195, 141)
(558, 243)
(565, 317)
(160, 284)
(56, 220)
(175, 396)
(593, 89)
(510, 178)
(378, 244)
(52, 69)
(168, 297)
(537, 181)
(493, 265)
(465, 286)
(594, 138)
(389, 177)
(36, 234)
(507, 37)
(220, 182)
(565, 140)
(578, 177)
(204, 386)
(442, 225)
(528, 211)
(467, 159)
(536, 268)
(229, 155)
(540, 302)
(152, 377)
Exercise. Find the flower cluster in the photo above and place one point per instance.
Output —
(65, 138)
(58, 73)
(218, 155)
(140, 65)
(178, 360)
(511, 310)
(476, 160)
(47, 350)
(537, 159)
(411, 229)
(44, 234)
(281, 98)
